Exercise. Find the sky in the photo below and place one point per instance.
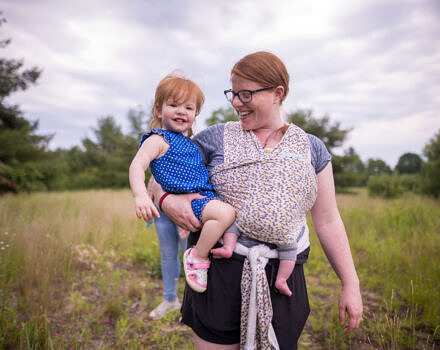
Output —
(370, 65)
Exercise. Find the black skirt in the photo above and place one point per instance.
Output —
(215, 314)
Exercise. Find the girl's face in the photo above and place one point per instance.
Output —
(178, 116)
(262, 111)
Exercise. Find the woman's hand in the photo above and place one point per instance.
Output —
(178, 209)
(145, 207)
(350, 302)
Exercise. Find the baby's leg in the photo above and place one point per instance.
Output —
(229, 241)
(284, 271)
(217, 216)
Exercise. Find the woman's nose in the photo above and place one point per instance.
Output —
(236, 102)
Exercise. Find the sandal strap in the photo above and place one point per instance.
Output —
(199, 265)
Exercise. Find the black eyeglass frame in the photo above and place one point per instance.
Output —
(251, 92)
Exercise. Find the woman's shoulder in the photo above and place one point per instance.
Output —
(319, 153)
(211, 132)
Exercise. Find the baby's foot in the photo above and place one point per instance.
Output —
(222, 252)
(283, 288)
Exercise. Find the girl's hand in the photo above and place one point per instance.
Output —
(145, 207)
(183, 234)
(178, 208)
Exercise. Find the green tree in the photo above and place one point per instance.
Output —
(21, 149)
(330, 133)
(222, 115)
(138, 120)
(105, 162)
(431, 168)
(349, 169)
(377, 167)
(409, 163)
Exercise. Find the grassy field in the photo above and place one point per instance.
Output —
(79, 271)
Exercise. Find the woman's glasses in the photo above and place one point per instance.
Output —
(245, 96)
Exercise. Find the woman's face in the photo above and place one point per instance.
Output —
(260, 113)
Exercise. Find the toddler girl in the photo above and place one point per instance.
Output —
(177, 165)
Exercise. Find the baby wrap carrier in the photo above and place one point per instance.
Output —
(271, 192)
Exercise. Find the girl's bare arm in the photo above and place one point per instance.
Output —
(152, 148)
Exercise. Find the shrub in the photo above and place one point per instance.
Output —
(387, 186)
(431, 176)
(411, 182)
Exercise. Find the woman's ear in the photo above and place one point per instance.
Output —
(279, 94)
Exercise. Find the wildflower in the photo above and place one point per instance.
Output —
(47, 235)
(56, 334)
(6, 233)
(1, 242)
(3, 248)
(7, 245)
(107, 321)
(80, 340)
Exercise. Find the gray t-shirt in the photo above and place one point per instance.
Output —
(210, 143)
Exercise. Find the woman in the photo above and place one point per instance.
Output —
(260, 83)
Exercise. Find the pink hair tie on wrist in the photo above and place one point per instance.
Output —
(162, 198)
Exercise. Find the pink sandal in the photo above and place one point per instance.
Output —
(196, 271)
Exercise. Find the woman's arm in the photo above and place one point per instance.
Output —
(177, 207)
(152, 148)
(331, 233)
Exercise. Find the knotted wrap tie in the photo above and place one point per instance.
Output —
(256, 330)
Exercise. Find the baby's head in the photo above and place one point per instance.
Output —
(178, 89)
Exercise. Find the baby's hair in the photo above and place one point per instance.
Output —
(180, 89)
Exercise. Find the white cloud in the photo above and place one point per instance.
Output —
(371, 65)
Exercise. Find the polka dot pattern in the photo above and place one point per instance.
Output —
(181, 169)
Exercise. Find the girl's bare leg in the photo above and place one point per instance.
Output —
(200, 344)
(284, 271)
(217, 217)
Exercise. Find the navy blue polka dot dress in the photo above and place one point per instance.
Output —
(181, 169)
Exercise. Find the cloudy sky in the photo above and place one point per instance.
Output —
(372, 65)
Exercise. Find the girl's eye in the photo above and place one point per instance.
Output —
(189, 108)
(173, 105)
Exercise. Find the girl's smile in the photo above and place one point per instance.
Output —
(178, 116)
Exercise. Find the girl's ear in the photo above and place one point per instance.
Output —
(157, 111)
(279, 94)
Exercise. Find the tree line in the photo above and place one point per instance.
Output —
(27, 164)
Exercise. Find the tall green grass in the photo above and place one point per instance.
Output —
(79, 270)
(396, 246)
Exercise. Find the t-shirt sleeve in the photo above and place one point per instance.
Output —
(210, 143)
(320, 155)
